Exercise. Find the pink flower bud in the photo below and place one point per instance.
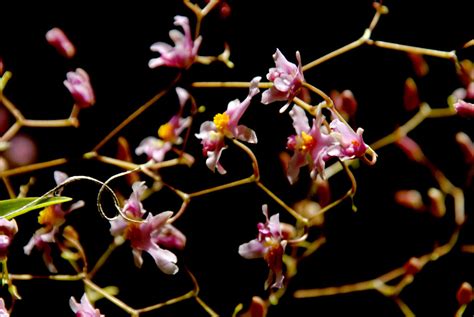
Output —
(465, 109)
(411, 149)
(464, 294)
(60, 42)
(8, 228)
(79, 85)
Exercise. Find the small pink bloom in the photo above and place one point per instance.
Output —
(150, 234)
(349, 143)
(184, 52)
(84, 308)
(169, 133)
(464, 108)
(213, 133)
(60, 42)
(310, 145)
(287, 80)
(8, 229)
(78, 84)
(269, 246)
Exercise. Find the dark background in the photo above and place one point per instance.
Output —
(113, 47)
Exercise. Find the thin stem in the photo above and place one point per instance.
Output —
(282, 203)
(8, 186)
(111, 298)
(56, 277)
(413, 49)
(240, 182)
(102, 259)
(403, 307)
(229, 84)
(339, 51)
(134, 115)
(172, 301)
(256, 171)
(48, 123)
(206, 307)
(33, 167)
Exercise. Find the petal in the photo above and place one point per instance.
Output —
(164, 259)
(300, 120)
(245, 134)
(252, 249)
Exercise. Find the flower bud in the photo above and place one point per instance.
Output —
(467, 147)
(419, 64)
(413, 266)
(437, 203)
(464, 294)
(60, 42)
(465, 109)
(8, 228)
(78, 84)
(411, 149)
(309, 209)
(411, 101)
(257, 308)
(410, 199)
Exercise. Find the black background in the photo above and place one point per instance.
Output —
(113, 47)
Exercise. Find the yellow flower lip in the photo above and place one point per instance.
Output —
(306, 141)
(221, 120)
(166, 132)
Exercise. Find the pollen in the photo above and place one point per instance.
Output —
(47, 216)
(307, 141)
(221, 120)
(166, 132)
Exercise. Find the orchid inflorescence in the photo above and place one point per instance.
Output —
(324, 141)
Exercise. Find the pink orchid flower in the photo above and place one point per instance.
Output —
(268, 245)
(213, 133)
(464, 108)
(79, 85)
(149, 234)
(287, 79)
(349, 143)
(184, 52)
(310, 145)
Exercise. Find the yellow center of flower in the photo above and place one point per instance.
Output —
(46, 216)
(221, 120)
(307, 141)
(166, 132)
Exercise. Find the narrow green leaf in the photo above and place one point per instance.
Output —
(11, 208)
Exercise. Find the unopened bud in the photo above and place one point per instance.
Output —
(467, 147)
(413, 266)
(288, 231)
(411, 101)
(60, 42)
(465, 109)
(410, 199)
(411, 149)
(309, 209)
(464, 294)
(257, 308)
(465, 72)
(419, 64)
(437, 203)
(345, 103)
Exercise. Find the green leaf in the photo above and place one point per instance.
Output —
(11, 208)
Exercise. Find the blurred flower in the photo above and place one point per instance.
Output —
(419, 64)
(169, 133)
(464, 108)
(287, 79)
(52, 218)
(60, 42)
(410, 199)
(21, 151)
(345, 103)
(8, 229)
(467, 147)
(269, 246)
(3, 309)
(78, 84)
(411, 149)
(149, 234)
(212, 133)
(85, 308)
(184, 52)
(411, 100)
